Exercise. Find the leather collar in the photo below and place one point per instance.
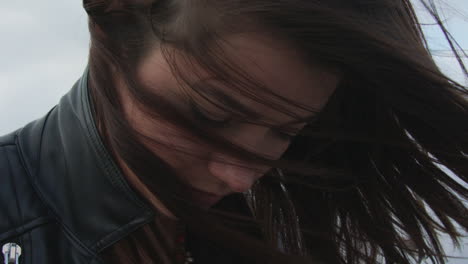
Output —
(76, 177)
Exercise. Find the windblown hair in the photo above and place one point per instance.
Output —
(374, 177)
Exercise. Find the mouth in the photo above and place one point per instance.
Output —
(205, 199)
(235, 185)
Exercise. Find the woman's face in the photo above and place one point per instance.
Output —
(280, 68)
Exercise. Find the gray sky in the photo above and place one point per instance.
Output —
(44, 47)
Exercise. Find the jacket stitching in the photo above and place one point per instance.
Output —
(18, 231)
(109, 167)
(31, 249)
(21, 240)
(113, 173)
(110, 170)
(97, 260)
(69, 234)
(20, 213)
(98, 245)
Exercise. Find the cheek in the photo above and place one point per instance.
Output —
(169, 140)
(154, 73)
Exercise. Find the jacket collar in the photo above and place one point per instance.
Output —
(76, 177)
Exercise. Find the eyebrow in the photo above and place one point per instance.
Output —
(209, 89)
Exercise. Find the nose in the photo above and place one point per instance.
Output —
(241, 175)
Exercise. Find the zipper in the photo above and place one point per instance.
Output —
(11, 253)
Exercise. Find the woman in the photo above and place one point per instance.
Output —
(235, 131)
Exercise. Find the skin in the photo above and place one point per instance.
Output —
(270, 61)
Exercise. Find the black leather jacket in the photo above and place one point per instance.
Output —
(62, 197)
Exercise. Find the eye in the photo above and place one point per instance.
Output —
(287, 133)
(219, 123)
(285, 136)
(225, 122)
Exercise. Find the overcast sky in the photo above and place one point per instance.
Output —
(44, 45)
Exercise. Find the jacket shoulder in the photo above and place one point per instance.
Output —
(8, 139)
(19, 204)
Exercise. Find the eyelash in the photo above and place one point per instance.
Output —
(225, 123)
(215, 123)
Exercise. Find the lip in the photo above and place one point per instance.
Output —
(203, 198)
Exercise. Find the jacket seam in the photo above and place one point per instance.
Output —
(31, 246)
(119, 186)
(113, 172)
(97, 259)
(99, 246)
(23, 228)
(15, 191)
(69, 234)
(21, 240)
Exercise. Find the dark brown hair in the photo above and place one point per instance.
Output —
(367, 180)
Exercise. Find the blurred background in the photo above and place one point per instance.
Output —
(44, 49)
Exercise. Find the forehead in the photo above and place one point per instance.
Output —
(283, 70)
(279, 67)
